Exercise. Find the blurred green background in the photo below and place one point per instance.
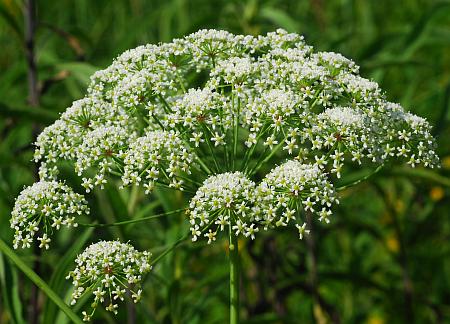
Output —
(385, 258)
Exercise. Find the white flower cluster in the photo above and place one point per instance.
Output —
(336, 62)
(68, 137)
(235, 71)
(274, 117)
(139, 74)
(201, 112)
(103, 148)
(221, 109)
(207, 47)
(407, 136)
(225, 200)
(231, 200)
(159, 156)
(292, 188)
(220, 106)
(42, 208)
(339, 130)
(229, 98)
(109, 270)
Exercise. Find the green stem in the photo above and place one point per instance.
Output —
(234, 279)
(133, 220)
(166, 105)
(203, 164)
(351, 184)
(199, 159)
(39, 282)
(210, 145)
(165, 185)
(248, 153)
(267, 158)
(236, 131)
(170, 249)
(181, 240)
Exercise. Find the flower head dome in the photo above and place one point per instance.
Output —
(234, 103)
(159, 156)
(42, 208)
(108, 270)
(290, 190)
(224, 201)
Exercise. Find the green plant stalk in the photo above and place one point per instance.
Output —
(236, 131)
(210, 145)
(203, 165)
(182, 239)
(267, 158)
(234, 279)
(133, 221)
(249, 153)
(39, 282)
(354, 183)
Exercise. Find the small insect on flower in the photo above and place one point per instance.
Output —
(109, 269)
(43, 207)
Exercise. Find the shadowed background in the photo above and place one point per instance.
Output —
(383, 259)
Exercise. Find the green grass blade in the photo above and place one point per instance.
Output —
(9, 286)
(27, 113)
(13, 257)
(279, 18)
(81, 71)
(9, 18)
(425, 174)
(57, 281)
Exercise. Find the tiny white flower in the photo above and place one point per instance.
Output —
(302, 230)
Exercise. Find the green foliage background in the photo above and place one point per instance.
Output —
(383, 259)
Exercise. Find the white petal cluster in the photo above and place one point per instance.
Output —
(103, 149)
(407, 137)
(336, 62)
(293, 188)
(139, 73)
(224, 202)
(199, 109)
(280, 39)
(339, 131)
(62, 140)
(225, 108)
(159, 156)
(235, 70)
(136, 88)
(109, 270)
(43, 208)
(274, 117)
(231, 96)
(343, 116)
(208, 46)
